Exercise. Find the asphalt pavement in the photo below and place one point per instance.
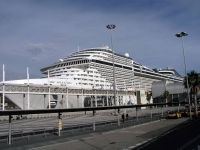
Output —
(184, 137)
(126, 137)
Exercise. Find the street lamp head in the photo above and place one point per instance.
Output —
(178, 35)
(111, 26)
(184, 33)
(181, 34)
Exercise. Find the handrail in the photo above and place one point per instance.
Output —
(43, 111)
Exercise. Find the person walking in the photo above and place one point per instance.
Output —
(123, 117)
(126, 116)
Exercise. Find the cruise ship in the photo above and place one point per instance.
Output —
(92, 68)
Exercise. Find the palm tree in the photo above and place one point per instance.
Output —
(148, 97)
(194, 85)
(185, 95)
(166, 95)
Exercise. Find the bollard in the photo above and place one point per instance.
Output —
(136, 115)
(94, 120)
(10, 126)
(151, 113)
(59, 123)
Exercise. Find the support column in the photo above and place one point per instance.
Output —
(95, 99)
(10, 128)
(112, 100)
(162, 111)
(77, 101)
(102, 101)
(123, 101)
(49, 98)
(137, 98)
(117, 99)
(44, 101)
(67, 99)
(94, 119)
(125, 112)
(82, 99)
(91, 101)
(28, 95)
(62, 102)
(24, 102)
(3, 97)
(107, 98)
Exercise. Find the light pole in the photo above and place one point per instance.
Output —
(111, 27)
(181, 36)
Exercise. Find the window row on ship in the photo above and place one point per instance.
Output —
(106, 51)
(159, 75)
(60, 65)
(154, 74)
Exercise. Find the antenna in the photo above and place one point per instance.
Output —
(78, 48)
(28, 88)
(48, 77)
(3, 73)
(28, 76)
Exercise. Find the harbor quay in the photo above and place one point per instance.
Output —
(117, 136)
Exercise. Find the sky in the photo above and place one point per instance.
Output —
(37, 33)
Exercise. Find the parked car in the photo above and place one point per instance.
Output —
(174, 115)
(184, 113)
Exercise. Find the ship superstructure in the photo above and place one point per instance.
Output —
(93, 68)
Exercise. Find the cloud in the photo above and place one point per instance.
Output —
(34, 59)
(58, 40)
(35, 49)
(40, 48)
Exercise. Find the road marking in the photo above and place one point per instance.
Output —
(188, 143)
(53, 144)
